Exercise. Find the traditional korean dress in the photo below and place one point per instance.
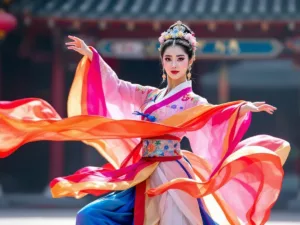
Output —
(149, 179)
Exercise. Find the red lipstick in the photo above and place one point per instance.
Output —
(174, 71)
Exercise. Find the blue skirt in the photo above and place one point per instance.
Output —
(113, 209)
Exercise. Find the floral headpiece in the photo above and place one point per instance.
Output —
(178, 31)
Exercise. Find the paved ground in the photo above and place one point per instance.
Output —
(66, 217)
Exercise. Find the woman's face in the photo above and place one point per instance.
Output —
(175, 62)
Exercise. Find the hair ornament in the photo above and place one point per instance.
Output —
(178, 31)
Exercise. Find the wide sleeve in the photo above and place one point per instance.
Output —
(121, 98)
(97, 90)
(207, 142)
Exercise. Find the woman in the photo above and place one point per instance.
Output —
(224, 181)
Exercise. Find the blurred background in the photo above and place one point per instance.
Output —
(249, 49)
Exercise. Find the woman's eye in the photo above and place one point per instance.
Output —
(167, 59)
(181, 59)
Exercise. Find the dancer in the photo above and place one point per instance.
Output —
(149, 179)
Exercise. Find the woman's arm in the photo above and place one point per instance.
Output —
(113, 87)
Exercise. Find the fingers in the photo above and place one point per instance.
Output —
(74, 38)
(262, 104)
(75, 48)
(71, 43)
(77, 42)
(268, 108)
(271, 108)
(269, 111)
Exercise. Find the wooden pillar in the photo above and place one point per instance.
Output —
(223, 84)
(58, 102)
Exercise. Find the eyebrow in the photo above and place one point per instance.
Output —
(176, 55)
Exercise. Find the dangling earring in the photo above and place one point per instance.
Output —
(164, 77)
(189, 75)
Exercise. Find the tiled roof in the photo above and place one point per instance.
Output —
(163, 9)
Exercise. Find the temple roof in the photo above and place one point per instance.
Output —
(162, 9)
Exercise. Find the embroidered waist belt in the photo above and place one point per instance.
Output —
(154, 154)
(161, 149)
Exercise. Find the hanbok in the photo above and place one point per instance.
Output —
(149, 179)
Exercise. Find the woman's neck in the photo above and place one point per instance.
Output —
(174, 83)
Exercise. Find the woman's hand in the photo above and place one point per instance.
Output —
(79, 46)
(257, 107)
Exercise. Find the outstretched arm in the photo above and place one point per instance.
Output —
(114, 88)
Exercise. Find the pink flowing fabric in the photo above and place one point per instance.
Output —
(230, 174)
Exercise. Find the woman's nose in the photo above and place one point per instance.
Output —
(174, 64)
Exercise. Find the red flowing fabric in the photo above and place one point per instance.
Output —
(240, 172)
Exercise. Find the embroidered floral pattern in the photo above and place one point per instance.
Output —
(140, 88)
(191, 97)
(159, 148)
(152, 96)
(185, 97)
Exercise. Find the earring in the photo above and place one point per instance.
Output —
(164, 77)
(189, 75)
